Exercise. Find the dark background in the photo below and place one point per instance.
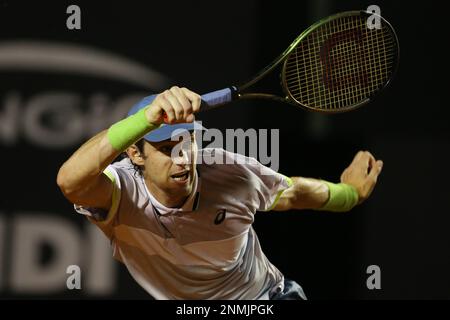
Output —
(208, 45)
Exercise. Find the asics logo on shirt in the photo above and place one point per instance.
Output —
(220, 216)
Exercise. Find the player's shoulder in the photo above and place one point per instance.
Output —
(122, 164)
(218, 156)
(125, 169)
(221, 160)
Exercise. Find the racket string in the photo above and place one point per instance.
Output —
(340, 64)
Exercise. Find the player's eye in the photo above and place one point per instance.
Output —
(166, 149)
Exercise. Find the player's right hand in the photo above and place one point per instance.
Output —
(178, 104)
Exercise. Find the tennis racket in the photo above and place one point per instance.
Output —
(338, 64)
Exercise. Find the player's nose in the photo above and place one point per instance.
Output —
(183, 158)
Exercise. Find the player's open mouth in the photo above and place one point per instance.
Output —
(181, 176)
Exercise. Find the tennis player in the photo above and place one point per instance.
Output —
(184, 230)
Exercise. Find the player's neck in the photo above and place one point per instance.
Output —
(169, 200)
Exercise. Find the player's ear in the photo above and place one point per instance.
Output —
(135, 155)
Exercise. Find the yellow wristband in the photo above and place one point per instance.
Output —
(124, 133)
(342, 197)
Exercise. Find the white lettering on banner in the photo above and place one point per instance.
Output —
(66, 123)
(76, 59)
(100, 268)
(29, 233)
(69, 247)
(64, 112)
(9, 116)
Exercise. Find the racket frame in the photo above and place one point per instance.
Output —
(283, 58)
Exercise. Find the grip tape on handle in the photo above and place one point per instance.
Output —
(210, 100)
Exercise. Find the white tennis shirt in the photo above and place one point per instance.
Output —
(207, 249)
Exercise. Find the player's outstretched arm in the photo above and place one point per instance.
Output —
(357, 183)
(81, 177)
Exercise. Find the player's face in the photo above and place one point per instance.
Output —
(169, 168)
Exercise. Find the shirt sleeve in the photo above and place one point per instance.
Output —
(105, 219)
(268, 184)
(270, 187)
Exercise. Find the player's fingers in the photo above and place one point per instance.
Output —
(371, 164)
(375, 171)
(359, 164)
(363, 161)
(369, 156)
(177, 107)
(371, 180)
(183, 100)
(190, 118)
(168, 109)
(358, 156)
(195, 98)
(358, 161)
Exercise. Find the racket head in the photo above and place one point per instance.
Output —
(339, 63)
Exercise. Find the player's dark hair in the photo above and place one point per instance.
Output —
(140, 145)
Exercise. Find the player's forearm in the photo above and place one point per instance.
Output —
(305, 193)
(86, 164)
(309, 193)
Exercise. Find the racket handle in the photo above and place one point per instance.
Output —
(209, 100)
(217, 98)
